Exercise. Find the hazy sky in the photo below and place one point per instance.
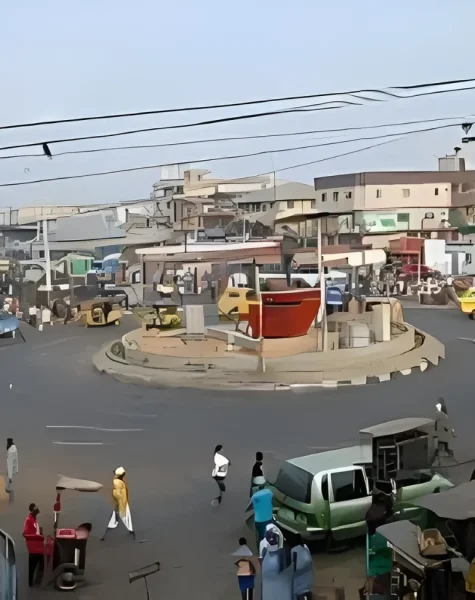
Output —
(64, 59)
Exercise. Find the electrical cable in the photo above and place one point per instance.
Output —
(313, 162)
(383, 91)
(204, 160)
(235, 138)
(203, 123)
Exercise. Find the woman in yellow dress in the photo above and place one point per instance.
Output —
(120, 501)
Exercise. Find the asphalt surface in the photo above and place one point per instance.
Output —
(169, 460)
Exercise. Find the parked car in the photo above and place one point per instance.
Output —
(325, 496)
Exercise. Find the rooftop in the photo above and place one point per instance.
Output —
(392, 178)
(333, 459)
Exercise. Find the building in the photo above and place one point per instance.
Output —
(104, 230)
(27, 215)
(16, 241)
(382, 206)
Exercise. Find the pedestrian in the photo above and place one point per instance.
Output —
(273, 539)
(262, 504)
(277, 569)
(221, 465)
(303, 570)
(32, 315)
(120, 501)
(257, 476)
(33, 535)
(246, 572)
(12, 464)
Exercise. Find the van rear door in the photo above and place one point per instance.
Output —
(349, 500)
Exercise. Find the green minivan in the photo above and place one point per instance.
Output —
(326, 495)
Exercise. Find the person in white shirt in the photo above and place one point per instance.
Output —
(221, 465)
(12, 464)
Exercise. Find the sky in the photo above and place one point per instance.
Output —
(69, 59)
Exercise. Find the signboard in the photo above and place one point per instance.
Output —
(385, 222)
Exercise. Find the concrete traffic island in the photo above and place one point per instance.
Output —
(224, 358)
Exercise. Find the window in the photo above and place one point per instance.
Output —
(348, 485)
(313, 204)
(264, 207)
(324, 197)
(335, 196)
(403, 218)
(436, 191)
(325, 487)
(379, 193)
(271, 268)
(290, 204)
(406, 193)
(295, 483)
(348, 194)
(189, 211)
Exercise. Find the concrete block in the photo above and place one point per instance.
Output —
(381, 324)
(194, 319)
(424, 365)
(406, 371)
(359, 380)
(385, 377)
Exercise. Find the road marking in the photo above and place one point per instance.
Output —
(66, 339)
(91, 428)
(144, 416)
(79, 443)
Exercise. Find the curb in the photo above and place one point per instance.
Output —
(245, 381)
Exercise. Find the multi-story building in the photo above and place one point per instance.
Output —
(385, 205)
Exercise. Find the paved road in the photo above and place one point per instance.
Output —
(170, 461)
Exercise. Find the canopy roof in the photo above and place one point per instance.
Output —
(397, 426)
(78, 485)
(458, 503)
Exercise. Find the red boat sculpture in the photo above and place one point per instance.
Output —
(288, 313)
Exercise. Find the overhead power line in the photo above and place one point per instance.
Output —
(237, 138)
(232, 157)
(209, 122)
(388, 91)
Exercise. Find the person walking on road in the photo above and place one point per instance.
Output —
(221, 465)
(246, 572)
(12, 464)
(120, 500)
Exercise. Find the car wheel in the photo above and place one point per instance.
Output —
(472, 316)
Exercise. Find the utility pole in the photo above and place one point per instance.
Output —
(47, 256)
